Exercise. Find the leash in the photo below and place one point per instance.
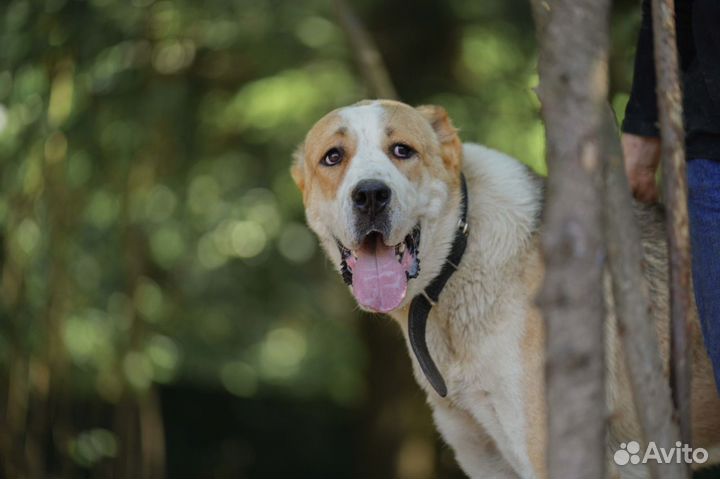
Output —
(422, 303)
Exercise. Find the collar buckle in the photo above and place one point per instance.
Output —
(463, 226)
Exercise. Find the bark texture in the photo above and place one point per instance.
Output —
(573, 37)
(675, 194)
(635, 323)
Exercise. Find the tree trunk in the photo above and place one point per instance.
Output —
(573, 92)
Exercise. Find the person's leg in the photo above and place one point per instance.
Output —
(704, 210)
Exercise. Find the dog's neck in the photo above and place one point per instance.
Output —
(422, 304)
(503, 216)
(436, 243)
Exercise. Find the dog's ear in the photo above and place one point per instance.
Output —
(297, 170)
(450, 144)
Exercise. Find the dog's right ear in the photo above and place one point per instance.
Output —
(297, 170)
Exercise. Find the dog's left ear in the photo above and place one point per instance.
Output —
(297, 170)
(450, 144)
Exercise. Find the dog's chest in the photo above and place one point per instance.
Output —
(483, 369)
(476, 340)
(480, 367)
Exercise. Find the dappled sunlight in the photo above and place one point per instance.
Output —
(239, 378)
(164, 355)
(285, 99)
(281, 353)
(296, 243)
(88, 447)
(89, 338)
(247, 239)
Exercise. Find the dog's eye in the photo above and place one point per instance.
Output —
(333, 157)
(402, 151)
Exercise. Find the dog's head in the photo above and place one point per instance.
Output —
(377, 178)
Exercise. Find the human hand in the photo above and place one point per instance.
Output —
(642, 157)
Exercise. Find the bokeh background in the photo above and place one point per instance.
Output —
(164, 311)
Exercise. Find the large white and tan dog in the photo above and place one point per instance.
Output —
(381, 184)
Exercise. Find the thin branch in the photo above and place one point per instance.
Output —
(651, 391)
(368, 57)
(675, 193)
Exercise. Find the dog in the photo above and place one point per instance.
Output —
(444, 238)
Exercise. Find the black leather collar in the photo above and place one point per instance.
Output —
(422, 303)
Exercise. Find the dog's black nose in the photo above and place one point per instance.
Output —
(370, 197)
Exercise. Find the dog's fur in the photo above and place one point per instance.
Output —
(485, 333)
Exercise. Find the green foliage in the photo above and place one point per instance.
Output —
(149, 218)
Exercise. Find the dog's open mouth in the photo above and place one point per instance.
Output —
(377, 273)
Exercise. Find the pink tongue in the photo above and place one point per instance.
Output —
(379, 280)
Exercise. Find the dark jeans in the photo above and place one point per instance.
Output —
(704, 210)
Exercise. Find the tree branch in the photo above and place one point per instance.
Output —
(653, 404)
(675, 193)
(368, 57)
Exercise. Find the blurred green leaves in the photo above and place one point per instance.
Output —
(91, 446)
(148, 218)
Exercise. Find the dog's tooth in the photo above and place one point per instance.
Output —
(401, 248)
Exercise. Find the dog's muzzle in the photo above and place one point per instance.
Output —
(370, 200)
